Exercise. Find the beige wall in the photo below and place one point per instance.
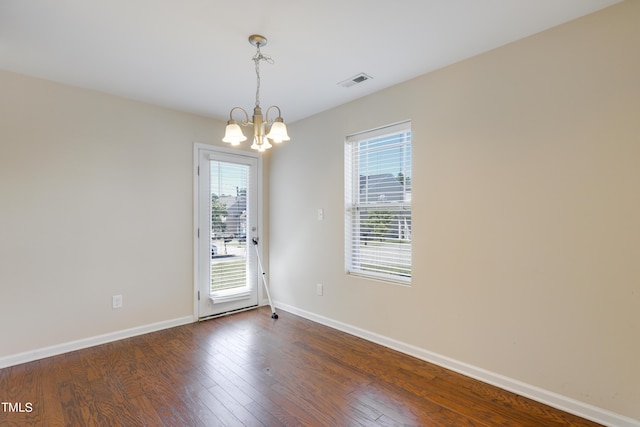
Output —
(95, 200)
(526, 174)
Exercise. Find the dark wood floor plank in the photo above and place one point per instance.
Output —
(500, 407)
(77, 404)
(220, 381)
(548, 415)
(47, 406)
(259, 390)
(213, 403)
(199, 407)
(297, 374)
(250, 370)
(403, 407)
(12, 384)
(16, 386)
(145, 411)
(267, 419)
(374, 367)
(234, 406)
(164, 399)
(263, 390)
(325, 404)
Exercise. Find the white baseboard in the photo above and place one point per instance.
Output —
(54, 350)
(546, 397)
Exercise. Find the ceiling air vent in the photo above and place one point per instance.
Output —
(352, 81)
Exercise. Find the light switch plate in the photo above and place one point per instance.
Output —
(117, 301)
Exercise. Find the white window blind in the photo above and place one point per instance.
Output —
(229, 263)
(378, 203)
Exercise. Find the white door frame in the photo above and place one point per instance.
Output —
(197, 148)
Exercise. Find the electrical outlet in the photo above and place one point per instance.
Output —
(319, 289)
(117, 301)
(320, 214)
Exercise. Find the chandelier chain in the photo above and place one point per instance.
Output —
(259, 56)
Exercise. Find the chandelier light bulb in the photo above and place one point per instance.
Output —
(278, 131)
(233, 133)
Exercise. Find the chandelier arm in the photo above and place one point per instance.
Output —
(266, 114)
(244, 122)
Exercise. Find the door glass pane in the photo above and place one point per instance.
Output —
(229, 269)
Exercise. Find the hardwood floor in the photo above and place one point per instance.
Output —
(249, 370)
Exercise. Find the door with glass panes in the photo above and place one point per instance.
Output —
(227, 222)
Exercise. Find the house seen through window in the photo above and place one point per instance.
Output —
(378, 203)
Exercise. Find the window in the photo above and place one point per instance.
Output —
(378, 203)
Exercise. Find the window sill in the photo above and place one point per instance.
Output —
(381, 278)
(230, 295)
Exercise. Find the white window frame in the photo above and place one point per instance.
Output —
(377, 260)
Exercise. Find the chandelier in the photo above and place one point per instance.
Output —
(277, 131)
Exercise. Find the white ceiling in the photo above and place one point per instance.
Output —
(193, 55)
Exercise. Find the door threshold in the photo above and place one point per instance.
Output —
(227, 313)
